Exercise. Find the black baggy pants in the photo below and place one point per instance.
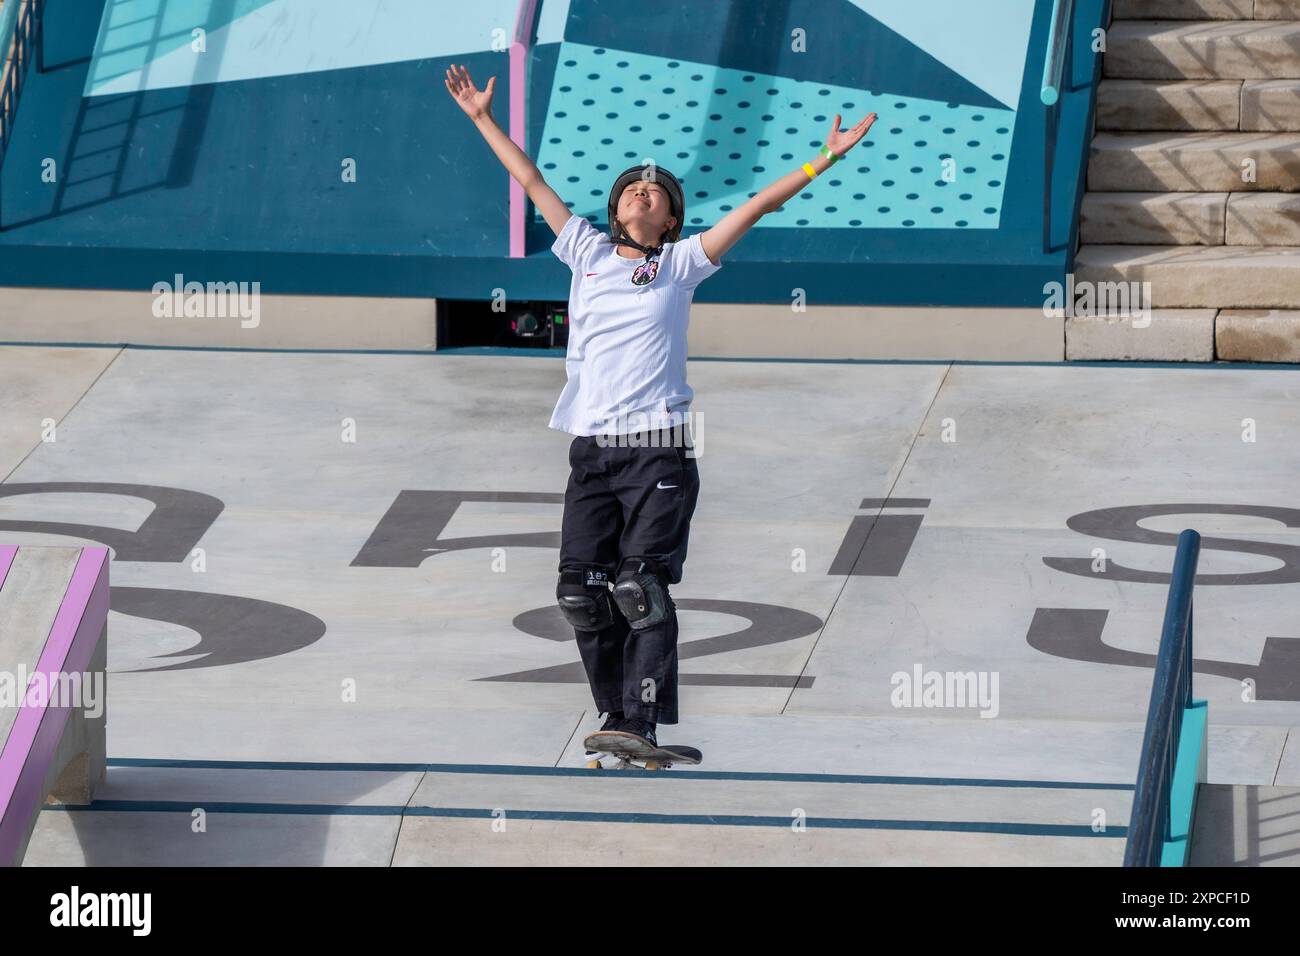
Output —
(625, 506)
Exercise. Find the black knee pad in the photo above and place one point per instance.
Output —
(642, 595)
(583, 596)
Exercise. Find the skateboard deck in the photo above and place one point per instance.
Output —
(627, 752)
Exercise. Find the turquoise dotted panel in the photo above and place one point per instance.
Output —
(726, 134)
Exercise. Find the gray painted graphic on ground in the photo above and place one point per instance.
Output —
(179, 519)
(768, 624)
(876, 545)
(1121, 524)
(1076, 634)
(408, 532)
(232, 630)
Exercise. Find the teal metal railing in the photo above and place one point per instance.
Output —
(1056, 69)
(1059, 47)
(1173, 748)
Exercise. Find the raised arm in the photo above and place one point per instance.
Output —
(733, 225)
(477, 105)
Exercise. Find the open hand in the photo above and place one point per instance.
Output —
(475, 102)
(841, 142)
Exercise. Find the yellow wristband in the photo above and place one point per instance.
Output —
(808, 168)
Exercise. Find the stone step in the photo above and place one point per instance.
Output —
(1171, 335)
(1194, 162)
(504, 836)
(1270, 105)
(1200, 277)
(1145, 105)
(1277, 9)
(1207, 50)
(1199, 105)
(1153, 219)
(390, 815)
(1263, 219)
(1187, 219)
(1184, 9)
(1247, 335)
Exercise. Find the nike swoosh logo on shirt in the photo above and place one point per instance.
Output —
(662, 485)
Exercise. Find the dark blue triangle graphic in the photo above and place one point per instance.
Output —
(844, 45)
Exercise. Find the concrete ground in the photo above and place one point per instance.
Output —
(334, 636)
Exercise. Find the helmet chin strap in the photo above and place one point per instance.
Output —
(648, 250)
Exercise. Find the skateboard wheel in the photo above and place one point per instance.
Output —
(652, 764)
(593, 764)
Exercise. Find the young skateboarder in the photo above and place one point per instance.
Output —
(631, 493)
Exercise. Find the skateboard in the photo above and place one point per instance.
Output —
(630, 754)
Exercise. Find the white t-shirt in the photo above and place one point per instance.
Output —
(626, 360)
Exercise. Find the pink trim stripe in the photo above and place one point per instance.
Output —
(518, 209)
(36, 730)
(7, 552)
(525, 19)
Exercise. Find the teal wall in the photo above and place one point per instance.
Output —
(225, 163)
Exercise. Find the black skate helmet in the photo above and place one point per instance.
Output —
(651, 172)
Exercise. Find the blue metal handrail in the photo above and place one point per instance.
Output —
(1056, 69)
(1171, 696)
(1058, 46)
(20, 40)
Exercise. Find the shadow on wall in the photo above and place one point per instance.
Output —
(124, 144)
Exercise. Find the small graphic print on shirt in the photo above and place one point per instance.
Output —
(645, 272)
